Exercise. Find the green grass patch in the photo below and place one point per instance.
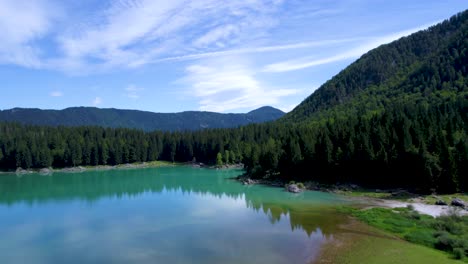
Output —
(379, 250)
(159, 163)
(368, 193)
(446, 233)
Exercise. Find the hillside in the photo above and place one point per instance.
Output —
(147, 121)
(426, 66)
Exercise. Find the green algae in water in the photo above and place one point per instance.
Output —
(161, 215)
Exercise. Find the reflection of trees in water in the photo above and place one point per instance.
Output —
(92, 186)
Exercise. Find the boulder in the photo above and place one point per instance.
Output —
(248, 181)
(294, 188)
(458, 202)
(45, 171)
(78, 169)
(20, 171)
(440, 202)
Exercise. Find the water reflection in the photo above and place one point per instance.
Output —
(168, 215)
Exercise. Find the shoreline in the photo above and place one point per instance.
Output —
(50, 170)
(136, 165)
(422, 208)
(370, 198)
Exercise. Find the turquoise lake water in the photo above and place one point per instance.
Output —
(159, 215)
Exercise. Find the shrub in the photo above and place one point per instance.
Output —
(423, 237)
(451, 224)
(444, 241)
(458, 253)
(300, 185)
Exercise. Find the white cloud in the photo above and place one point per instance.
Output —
(56, 94)
(132, 91)
(226, 84)
(216, 35)
(97, 101)
(22, 22)
(298, 64)
(261, 49)
(132, 33)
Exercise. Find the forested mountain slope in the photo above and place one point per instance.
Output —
(147, 121)
(426, 66)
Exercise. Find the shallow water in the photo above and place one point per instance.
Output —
(159, 215)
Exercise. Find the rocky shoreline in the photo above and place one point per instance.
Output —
(220, 167)
(77, 169)
(418, 202)
(50, 170)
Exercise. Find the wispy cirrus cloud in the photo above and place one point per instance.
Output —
(131, 33)
(21, 23)
(353, 53)
(126, 33)
(260, 49)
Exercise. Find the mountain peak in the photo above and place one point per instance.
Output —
(266, 109)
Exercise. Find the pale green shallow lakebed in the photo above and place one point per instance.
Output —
(160, 215)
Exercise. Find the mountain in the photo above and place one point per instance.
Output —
(147, 121)
(428, 65)
(397, 116)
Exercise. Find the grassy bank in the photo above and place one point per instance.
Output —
(445, 233)
(360, 243)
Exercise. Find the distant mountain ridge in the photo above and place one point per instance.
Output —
(147, 121)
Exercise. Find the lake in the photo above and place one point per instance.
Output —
(160, 215)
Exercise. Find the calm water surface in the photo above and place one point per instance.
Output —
(159, 215)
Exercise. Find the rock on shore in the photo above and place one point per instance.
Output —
(293, 188)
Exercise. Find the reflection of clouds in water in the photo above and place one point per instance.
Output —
(23, 232)
(170, 226)
(15, 245)
(225, 232)
(210, 206)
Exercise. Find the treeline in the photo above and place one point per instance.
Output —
(418, 146)
(28, 146)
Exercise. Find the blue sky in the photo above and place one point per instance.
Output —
(210, 55)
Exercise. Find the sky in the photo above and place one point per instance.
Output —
(208, 55)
